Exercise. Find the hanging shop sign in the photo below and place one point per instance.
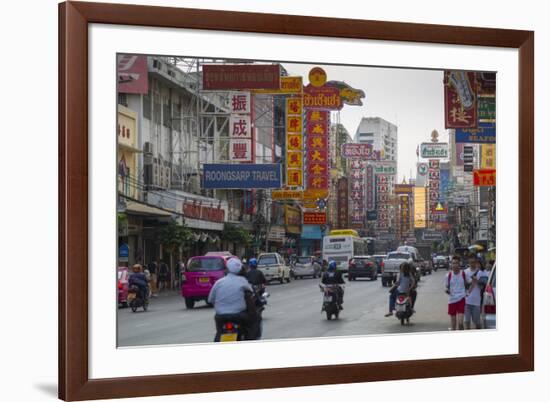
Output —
(430, 150)
(293, 219)
(242, 176)
(287, 194)
(239, 102)
(295, 142)
(370, 187)
(484, 133)
(342, 202)
(318, 125)
(240, 76)
(485, 177)
(314, 218)
(460, 99)
(322, 98)
(363, 151)
(240, 126)
(240, 150)
(419, 207)
(196, 210)
(403, 188)
(348, 95)
(488, 156)
(288, 85)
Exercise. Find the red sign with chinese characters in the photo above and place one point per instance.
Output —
(240, 76)
(485, 177)
(460, 99)
(315, 218)
(317, 130)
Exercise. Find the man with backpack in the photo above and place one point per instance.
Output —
(455, 286)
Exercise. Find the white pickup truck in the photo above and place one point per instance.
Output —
(392, 264)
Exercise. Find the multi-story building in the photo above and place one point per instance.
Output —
(339, 135)
(381, 134)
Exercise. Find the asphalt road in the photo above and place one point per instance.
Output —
(293, 311)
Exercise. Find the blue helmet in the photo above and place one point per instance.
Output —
(332, 266)
(252, 263)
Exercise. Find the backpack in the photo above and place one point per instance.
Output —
(463, 277)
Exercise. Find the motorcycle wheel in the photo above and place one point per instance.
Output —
(336, 314)
(281, 280)
(288, 279)
(145, 306)
(402, 321)
(329, 315)
(133, 306)
(189, 303)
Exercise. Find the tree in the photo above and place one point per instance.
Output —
(175, 236)
(236, 235)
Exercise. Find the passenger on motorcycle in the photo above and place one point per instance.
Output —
(333, 277)
(139, 279)
(232, 300)
(405, 284)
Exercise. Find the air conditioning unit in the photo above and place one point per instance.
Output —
(148, 147)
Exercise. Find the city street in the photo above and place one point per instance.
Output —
(293, 311)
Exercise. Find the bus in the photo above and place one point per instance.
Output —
(343, 245)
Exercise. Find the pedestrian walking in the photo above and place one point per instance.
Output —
(163, 276)
(476, 279)
(455, 287)
(153, 270)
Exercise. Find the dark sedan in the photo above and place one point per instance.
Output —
(362, 267)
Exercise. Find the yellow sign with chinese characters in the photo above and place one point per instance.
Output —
(294, 124)
(294, 159)
(287, 194)
(294, 142)
(488, 156)
(289, 85)
(294, 177)
(294, 105)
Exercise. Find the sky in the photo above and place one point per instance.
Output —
(411, 99)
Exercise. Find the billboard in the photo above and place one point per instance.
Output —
(132, 76)
(485, 177)
(431, 150)
(363, 151)
(240, 76)
(241, 176)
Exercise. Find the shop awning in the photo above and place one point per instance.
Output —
(137, 208)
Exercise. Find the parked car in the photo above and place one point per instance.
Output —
(362, 267)
(441, 262)
(379, 258)
(201, 272)
(489, 302)
(122, 285)
(306, 266)
(274, 267)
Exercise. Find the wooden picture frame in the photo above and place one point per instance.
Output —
(74, 381)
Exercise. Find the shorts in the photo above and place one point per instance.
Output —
(472, 313)
(457, 308)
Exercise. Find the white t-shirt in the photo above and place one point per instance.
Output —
(457, 288)
(474, 292)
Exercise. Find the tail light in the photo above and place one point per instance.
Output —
(490, 305)
(401, 299)
(369, 264)
(382, 264)
(229, 326)
(120, 285)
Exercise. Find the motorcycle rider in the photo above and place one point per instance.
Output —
(405, 283)
(232, 300)
(254, 275)
(333, 277)
(139, 279)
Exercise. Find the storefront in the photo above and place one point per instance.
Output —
(310, 240)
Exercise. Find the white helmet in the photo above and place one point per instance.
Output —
(234, 265)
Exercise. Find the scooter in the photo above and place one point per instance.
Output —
(135, 299)
(331, 305)
(403, 308)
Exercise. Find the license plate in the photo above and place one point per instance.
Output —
(232, 337)
(327, 299)
(204, 280)
(400, 307)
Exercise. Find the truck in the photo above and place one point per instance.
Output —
(425, 252)
(392, 266)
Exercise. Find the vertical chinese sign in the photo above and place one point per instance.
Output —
(294, 142)
(460, 99)
(317, 131)
(240, 127)
(357, 192)
(383, 196)
(370, 189)
(433, 188)
(404, 204)
(343, 203)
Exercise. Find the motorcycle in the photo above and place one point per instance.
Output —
(232, 330)
(331, 303)
(403, 308)
(136, 300)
